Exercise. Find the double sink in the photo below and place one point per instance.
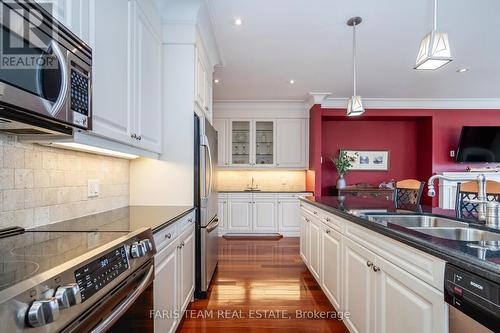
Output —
(436, 226)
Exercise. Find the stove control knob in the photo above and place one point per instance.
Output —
(137, 250)
(147, 244)
(43, 312)
(68, 296)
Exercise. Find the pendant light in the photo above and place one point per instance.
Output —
(354, 105)
(434, 51)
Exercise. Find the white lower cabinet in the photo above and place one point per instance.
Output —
(166, 291)
(260, 213)
(331, 264)
(174, 279)
(315, 247)
(379, 295)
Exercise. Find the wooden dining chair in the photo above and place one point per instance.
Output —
(470, 191)
(408, 192)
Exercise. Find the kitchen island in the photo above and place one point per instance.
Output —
(389, 277)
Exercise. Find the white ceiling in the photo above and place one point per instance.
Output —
(308, 41)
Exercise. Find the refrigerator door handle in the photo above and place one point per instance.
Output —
(212, 225)
(204, 142)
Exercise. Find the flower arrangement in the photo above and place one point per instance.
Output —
(343, 162)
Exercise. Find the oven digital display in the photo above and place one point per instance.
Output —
(99, 273)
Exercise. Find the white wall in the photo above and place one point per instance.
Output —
(170, 181)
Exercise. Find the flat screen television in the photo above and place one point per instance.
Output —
(480, 144)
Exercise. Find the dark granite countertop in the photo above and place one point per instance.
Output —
(243, 191)
(122, 219)
(465, 254)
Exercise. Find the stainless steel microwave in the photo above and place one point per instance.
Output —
(45, 73)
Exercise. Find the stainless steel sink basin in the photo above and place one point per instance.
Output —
(417, 221)
(460, 234)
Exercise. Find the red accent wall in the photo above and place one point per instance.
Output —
(370, 135)
(436, 133)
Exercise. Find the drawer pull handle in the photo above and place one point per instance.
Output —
(315, 213)
(376, 268)
(328, 231)
(190, 220)
(168, 236)
(328, 219)
(369, 264)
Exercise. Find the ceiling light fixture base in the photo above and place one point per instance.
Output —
(356, 20)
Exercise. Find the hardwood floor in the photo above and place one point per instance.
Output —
(258, 275)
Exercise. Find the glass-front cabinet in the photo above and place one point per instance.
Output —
(252, 143)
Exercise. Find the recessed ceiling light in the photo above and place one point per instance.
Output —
(216, 81)
(462, 70)
(238, 21)
(291, 81)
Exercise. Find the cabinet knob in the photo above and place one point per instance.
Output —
(369, 264)
(376, 268)
(139, 138)
(315, 213)
(168, 236)
(327, 219)
(133, 136)
(328, 231)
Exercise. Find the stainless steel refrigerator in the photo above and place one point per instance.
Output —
(207, 246)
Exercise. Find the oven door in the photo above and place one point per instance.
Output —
(127, 308)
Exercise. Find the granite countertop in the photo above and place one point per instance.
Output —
(243, 191)
(126, 219)
(465, 254)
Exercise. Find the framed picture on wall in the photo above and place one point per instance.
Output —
(369, 160)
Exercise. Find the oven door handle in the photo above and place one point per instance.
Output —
(125, 304)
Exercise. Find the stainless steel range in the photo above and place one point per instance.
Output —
(68, 281)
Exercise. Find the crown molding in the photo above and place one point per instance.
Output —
(260, 109)
(407, 103)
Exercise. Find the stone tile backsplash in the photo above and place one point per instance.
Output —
(41, 185)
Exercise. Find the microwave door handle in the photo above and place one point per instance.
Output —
(54, 108)
(125, 304)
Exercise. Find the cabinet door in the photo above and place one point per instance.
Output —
(358, 287)
(289, 215)
(263, 144)
(221, 125)
(146, 84)
(331, 263)
(304, 237)
(315, 248)
(201, 81)
(240, 214)
(291, 143)
(112, 110)
(58, 9)
(221, 213)
(186, 271)
(419, 307)
(166, 288)
(241, 138)
(264, 215)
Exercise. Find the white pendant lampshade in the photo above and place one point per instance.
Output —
(355, 104)
(434, 51)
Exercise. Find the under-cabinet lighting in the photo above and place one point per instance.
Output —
(92, 149)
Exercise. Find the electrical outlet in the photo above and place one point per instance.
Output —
(452, 153)
(93, 188)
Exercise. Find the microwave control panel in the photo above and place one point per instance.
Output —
(80, 98)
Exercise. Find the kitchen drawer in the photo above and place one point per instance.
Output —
(186, 221)
(257, 196)
(222, 196)
(166, 236)
(420, 264)
(247, 196)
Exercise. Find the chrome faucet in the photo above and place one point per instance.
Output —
(487, 211)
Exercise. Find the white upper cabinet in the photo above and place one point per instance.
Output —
(146, 85)
(262, 143)
(222, 127)
(110, 42)
(291, 143)
(203, 85)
